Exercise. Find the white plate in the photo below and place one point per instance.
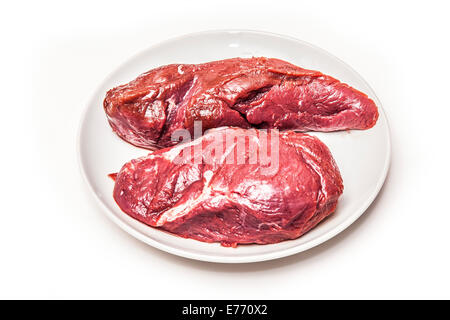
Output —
(362, 156)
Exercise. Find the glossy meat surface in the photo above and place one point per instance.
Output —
(223, 194)
(252, 92)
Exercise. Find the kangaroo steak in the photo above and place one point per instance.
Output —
(253, 92)
(233, 186)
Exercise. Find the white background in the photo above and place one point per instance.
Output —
(56, 243)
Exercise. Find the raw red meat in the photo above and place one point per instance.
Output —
(254, 92)
(231, 197)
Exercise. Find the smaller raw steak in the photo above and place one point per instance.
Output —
(233, 186)
(245, 93)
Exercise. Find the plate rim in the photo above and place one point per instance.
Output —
(217, 258)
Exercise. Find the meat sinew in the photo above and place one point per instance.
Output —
(233, 186)
(253, 92)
